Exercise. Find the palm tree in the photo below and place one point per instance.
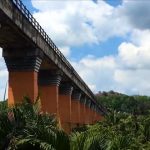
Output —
(119, 131)
(24, 126)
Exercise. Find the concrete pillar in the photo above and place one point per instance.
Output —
(98, 116)
(82, 111)
(90, 113)
(65, 92)
(49, 81)
(93, 113)
(75, 108)
(87, 111)
(23, 66)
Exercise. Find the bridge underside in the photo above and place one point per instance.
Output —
(35, 69)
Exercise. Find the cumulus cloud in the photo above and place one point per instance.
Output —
(3, 76)
(97, 72)
(127, 72)
(65, 50)
(74, 23)
(137, 13)
(136, 54)
(133, 81)
(66, 25)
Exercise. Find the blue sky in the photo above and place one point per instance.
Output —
(104, 41)
(31, 8)
(114, 2)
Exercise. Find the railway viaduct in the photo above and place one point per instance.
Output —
(37, 67)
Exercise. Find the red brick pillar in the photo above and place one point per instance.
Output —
(90, 113)
(75, 109)
(93, 113)
(98, 115)
(87, 111)
(49, 82)
(23, 66)
(65, 92)
(82, 111)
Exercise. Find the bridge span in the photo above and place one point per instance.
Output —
(37, 67)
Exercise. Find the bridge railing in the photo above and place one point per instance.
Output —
(36, 25)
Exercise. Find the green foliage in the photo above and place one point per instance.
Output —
(125, 127)
(25, 127)
(119, 131)
(139, 105)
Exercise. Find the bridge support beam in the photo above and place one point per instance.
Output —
(93, 113)
(65, 92)
(23, 66)
(99, 116)
(75, 109)
(87, 112)
(49, 82)
(82, 111)
(95, 116)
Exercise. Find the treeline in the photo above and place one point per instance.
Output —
(138, 105)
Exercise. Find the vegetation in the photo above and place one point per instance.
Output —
(139, 105)
(117, 132)
(125, 127)
(24, 127)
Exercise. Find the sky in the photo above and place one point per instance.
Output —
(107, 42)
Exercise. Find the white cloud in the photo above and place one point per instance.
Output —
(137, 13)
(3, 76)
(133, 81)
(128, 71)
(3, 73)
(136, 54)
(74, 23)
(0, 52)
(65, 51)
(66, 25)
(97, 72)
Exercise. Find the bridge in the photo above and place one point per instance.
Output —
(37, 67)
